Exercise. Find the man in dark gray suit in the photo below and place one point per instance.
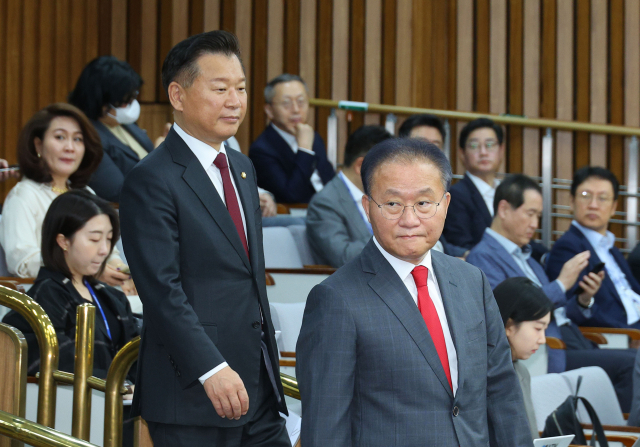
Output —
(191, 225)
(403, 345)
(337, 226)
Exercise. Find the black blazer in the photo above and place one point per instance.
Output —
(117, 161)
(468, 215)
(59, 299)
(287, 175)
(202, 296)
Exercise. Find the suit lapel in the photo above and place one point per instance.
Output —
(350, 209)
(478, 200)
(388, 286)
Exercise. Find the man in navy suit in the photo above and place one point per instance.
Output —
(290, 158)
(594, 194)
(505, 252)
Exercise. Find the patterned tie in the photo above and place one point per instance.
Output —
(230, 197)
(430, 315)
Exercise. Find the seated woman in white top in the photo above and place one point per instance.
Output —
(526, 313)
(58, 150)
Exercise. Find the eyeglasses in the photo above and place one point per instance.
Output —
(489, 145)
(587, 197)
(425, 209)
(288, 104)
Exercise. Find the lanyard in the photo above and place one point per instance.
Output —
(95, 300)
(356, 204)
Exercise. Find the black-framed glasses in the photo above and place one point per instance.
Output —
(424, 209)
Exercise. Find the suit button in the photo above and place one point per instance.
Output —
(178, 373)
(455, 412)
(255, 324)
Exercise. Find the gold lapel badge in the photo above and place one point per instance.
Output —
(243, 175)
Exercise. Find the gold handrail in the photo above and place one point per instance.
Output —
(37, 435)
(66, 378)
(290, 386)
(83, 368)
(468, 116)
(48, 343)
(118, 370)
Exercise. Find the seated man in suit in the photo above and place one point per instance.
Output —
(428, 127)
(481, 151)
(504, 252)
(404, 345)
(594, 193)
(289, 157)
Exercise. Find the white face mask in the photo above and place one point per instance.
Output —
(128, 114)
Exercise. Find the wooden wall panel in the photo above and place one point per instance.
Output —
(531, 87)
(356, 74)
(404, 57)
(243, 30)
(516, 83)
(582, 79)
(482, 56)
(464, 74)
(308, 10)
(598, 102)
(373, 57)
(275, 39)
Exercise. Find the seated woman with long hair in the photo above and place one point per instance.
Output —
(58, 151)
(526, 313)
(78, 234)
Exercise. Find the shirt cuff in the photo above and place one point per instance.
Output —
(205, 376)
(564, 290)
(306, 150)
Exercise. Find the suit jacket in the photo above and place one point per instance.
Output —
(467, 216)
(607, 310)
(118, 159)
(59, 299)
(336, 230)
(492, 258)
(369, 373)
(202, 296)
(284, 174)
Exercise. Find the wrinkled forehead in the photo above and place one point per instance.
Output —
(409, 177)
(595, 184)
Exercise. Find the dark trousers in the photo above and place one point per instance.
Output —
(265, 429)
(617, 363)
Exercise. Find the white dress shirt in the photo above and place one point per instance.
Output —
(206, 155)
(602, 244)
(316, 180)
(404, 269)
(487, 191)
(356, 194)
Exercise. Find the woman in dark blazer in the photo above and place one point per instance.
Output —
(106, 92)
(78, 232)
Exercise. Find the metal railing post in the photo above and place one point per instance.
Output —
(547, 187)
(332, 138)
(83, 369)
(632, 188)
(390, 123)
(446, 148)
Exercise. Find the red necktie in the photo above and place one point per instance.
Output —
(230, 197)
(430, 315)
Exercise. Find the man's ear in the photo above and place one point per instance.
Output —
(614, 207)
(357, 165)
(365, 205)
(176, 95)
(268, 110)
(503, 206)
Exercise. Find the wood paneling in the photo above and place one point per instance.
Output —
(516, 82)
(582, 78)
(531, 87)
(482, 55)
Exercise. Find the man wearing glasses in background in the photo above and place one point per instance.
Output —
(471, 209)
(594, 193)
(289, 156)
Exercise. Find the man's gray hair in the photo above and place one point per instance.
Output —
(269, 90)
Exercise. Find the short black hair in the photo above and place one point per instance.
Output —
(105, 81)
(479, 124)
(512, 190)
(181, 63)
(269, 89)
(362, 140)
(520, 299)
(421, 120)
(67, 214)
(406, 150)
(585, 173)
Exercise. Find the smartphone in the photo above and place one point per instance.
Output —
(596, 269)
(10, 169)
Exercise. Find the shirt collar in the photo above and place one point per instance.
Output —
(483, 187)
(355, 192)
(511, 247)
(596, 239)
(205, 154)
(286, 136)
(404, 268)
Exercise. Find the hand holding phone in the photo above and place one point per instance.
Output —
(596, 269)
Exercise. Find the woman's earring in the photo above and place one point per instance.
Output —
(39, 155)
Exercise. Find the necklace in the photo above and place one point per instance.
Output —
(59, 190)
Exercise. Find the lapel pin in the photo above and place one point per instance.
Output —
(243, 175)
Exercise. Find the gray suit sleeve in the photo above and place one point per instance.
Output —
(506, 413)
(328, 234)
(327, 340)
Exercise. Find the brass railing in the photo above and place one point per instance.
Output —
(35, 434)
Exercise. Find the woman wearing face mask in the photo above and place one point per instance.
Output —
(526, 313)
(106, 92)
(78, 234)
(58, 150)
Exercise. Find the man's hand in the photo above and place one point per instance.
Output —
(590, 284)
(5, 175)
(227, 393)
(268, 205)
(572, 268)
(305, 136)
